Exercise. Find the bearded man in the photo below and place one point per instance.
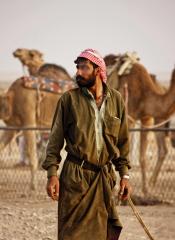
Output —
(92, 120)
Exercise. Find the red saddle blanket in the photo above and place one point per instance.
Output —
(49, 85)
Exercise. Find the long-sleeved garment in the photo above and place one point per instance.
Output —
(85, 196)
(74, 120)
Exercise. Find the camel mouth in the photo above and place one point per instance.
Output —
(17, 53)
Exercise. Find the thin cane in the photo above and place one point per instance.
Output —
(136, 213)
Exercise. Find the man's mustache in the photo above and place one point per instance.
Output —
(80, 78)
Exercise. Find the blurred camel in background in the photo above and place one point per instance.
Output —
(22, 106)
(148, 102)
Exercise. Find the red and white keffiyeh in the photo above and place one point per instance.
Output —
(95, 57)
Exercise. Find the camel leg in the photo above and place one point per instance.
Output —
(162, 151)
(6, 138)
(30, 137)
(146, 121)
(143, 147)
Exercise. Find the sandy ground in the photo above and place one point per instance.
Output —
(34, 220)
(38, 221)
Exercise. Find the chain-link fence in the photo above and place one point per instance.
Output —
(159, 159)
(15, 172)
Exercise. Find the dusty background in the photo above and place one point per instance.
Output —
(38, 221)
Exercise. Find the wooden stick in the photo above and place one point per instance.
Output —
(136, 213)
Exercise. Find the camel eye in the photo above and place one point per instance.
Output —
(31, 54)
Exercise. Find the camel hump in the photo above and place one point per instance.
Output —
(51, 66)
(53, 71)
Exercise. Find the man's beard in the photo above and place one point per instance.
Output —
(88, 83)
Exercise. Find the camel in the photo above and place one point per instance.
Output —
(13, 115)
(145, 104)
(18, 107)
(33, 60)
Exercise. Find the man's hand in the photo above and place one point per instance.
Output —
(125, 189)
(53, 187)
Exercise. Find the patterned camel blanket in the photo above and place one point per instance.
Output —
(48, 85)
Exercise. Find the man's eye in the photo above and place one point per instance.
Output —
(82, 67)
(85, 67)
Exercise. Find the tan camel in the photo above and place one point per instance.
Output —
(18, 107)
(33, 60)
(146, 101)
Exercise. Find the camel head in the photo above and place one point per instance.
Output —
(5, 106)
(33, 59)
(26, 55)
(111, 59)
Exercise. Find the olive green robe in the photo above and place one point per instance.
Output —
(86, 205)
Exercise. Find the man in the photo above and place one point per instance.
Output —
(93, 122)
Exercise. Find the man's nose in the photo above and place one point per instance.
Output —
(79, 72)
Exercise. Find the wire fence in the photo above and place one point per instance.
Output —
(15, 167)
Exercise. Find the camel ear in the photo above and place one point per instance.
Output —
(32, 53)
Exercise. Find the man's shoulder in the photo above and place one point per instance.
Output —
(70, 95)
(114, 93)
(70, 92)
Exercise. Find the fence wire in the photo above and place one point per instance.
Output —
(15, 169)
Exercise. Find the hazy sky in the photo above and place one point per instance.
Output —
(61, 29)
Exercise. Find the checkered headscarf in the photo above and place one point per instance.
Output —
(96, 58)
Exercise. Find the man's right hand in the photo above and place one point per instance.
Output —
(53, 187)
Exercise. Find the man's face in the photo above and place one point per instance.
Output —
(86, 74)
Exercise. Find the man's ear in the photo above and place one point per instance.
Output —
(97, 70)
